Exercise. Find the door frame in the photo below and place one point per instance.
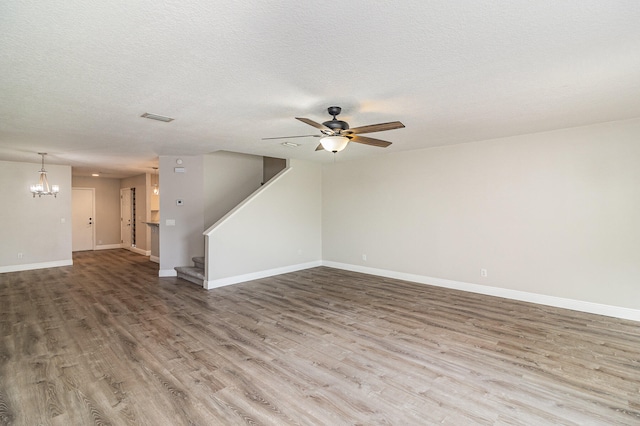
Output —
(93, 214)
(122, 242)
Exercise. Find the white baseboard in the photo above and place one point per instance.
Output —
(31, 266)
(108, 246)
(139, 251)
(167, 273)
(155, 259)
(541, 299)
(221, 282)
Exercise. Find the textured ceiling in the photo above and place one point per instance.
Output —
(75, 76)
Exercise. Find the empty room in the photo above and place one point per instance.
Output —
(278, 213)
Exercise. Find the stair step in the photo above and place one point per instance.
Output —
(198, 261)
(191, 274)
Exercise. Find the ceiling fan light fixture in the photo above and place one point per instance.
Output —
(334, 143)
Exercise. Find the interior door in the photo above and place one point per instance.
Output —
(126, 217)
(82, 219)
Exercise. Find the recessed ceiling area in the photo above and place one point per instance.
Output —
(76, 77)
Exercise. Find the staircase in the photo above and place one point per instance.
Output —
(194, 274)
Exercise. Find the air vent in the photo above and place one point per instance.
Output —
(290, 144)
(156, 117)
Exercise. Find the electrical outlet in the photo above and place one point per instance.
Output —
(19, 255)
(483, 272)
(364, 257)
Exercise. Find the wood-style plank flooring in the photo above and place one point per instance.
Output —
(108, 342)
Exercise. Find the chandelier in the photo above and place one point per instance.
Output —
(43, 187)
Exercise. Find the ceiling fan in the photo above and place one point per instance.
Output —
(336, 134)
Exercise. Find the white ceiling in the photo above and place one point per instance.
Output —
(75, 75)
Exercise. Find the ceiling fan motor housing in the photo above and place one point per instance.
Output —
(334, 124)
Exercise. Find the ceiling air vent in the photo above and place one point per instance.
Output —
(157, 117)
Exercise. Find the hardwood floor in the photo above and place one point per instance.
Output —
(108, 342)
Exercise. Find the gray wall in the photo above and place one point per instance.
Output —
(552, 213)
(183, 240)
(38, 228)
(276, 230)
(229, 178)
(271, 167)
(107, 220)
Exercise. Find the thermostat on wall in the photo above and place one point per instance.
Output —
(178, 169)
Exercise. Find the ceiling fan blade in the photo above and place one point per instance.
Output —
(290, 137)
(314, 124)
(370, 141)
(375, 128)
(319, 147)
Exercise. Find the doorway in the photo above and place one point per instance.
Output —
(82, 219)
(127, 218)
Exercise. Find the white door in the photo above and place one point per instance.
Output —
(125, 217)
(82, 219)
